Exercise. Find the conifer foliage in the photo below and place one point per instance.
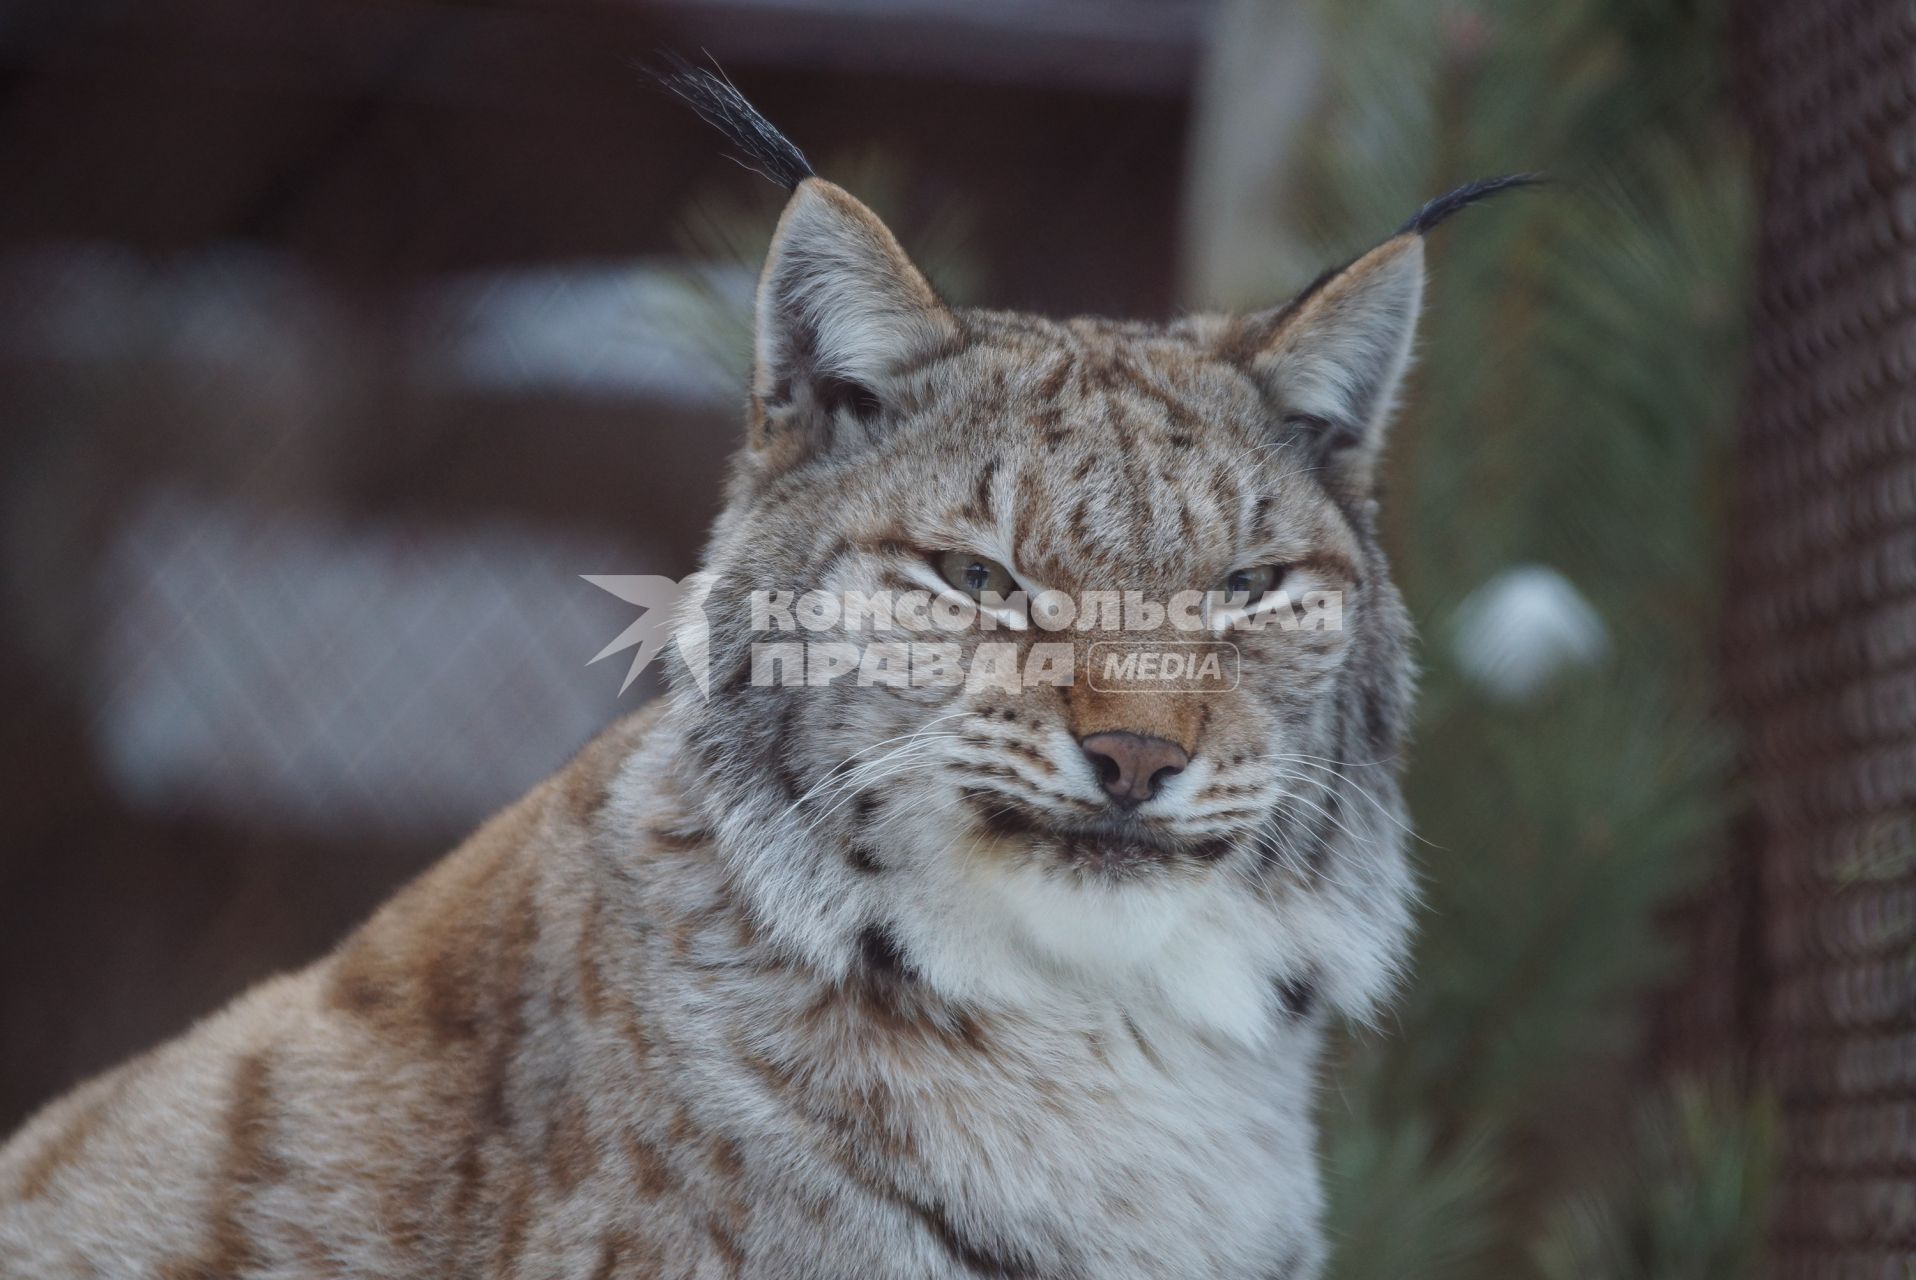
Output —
(1553, 511)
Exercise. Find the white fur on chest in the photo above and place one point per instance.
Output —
(1166, 1153)
(1077, 1140)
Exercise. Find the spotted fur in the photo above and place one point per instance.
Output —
(861, 981)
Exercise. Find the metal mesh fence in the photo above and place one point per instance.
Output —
(1810, 953)
(294, 601)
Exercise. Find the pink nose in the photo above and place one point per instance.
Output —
(1132, 766)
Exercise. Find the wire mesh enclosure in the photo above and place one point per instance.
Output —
(1809, 954)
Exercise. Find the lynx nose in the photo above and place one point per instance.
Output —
(1131, 765)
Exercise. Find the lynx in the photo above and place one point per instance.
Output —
(846, 977)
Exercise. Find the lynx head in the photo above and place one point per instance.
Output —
(984, 792)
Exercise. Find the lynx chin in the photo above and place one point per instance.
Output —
(904, 979)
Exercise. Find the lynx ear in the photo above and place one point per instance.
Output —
(840, 309)
(1331, 362)
(1332, 359)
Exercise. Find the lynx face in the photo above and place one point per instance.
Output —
(1194, 849)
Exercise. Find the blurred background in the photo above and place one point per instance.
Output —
(338, 338)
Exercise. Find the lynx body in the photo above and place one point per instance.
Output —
(855, 978)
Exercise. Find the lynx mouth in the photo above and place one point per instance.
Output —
(1113, 850)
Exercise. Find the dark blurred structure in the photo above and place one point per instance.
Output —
(1806, 953)
(331, 353)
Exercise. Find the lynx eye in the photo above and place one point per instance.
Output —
(1251, 583)
(975, 575)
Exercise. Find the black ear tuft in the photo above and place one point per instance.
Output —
(1470, 193)
(720, 104)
